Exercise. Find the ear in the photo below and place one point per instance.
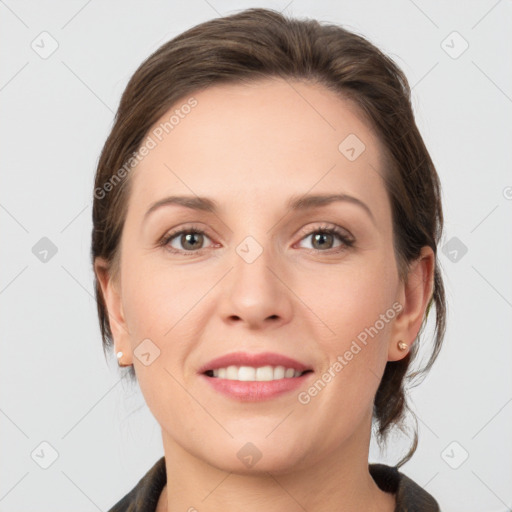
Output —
(414, 296)
(110, 288)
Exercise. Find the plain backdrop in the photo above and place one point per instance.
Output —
(63, 67)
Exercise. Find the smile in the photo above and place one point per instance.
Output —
(259, 374)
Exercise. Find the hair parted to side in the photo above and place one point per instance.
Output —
(261, 43)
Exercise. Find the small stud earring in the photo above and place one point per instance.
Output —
(119, 356)
(402, 345)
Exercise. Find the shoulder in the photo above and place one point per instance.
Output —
(409, 495)
(144, 496)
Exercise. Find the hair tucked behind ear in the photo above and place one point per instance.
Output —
(261, 43)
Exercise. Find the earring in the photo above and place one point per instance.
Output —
(119, 356)
(402, 345)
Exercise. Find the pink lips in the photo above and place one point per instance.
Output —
(254, 391)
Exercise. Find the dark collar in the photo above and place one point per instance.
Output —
(409, 495)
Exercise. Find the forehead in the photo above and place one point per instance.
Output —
(259, 142)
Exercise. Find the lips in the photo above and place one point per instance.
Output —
(246, 390)
(254, 360)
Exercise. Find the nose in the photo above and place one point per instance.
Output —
(256, 293)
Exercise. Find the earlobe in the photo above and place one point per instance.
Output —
(113, 303)
(414, 296)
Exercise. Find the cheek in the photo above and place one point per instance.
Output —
(156, 298)
(159, 306)
(349, 299)
(356, 313)
(357, 308)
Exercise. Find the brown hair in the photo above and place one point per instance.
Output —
(261, 43)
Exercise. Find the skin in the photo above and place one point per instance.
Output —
(250, 148)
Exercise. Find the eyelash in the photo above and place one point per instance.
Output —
(347, 241)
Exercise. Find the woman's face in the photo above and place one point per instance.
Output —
(259, 274)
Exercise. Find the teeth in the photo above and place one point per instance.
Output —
(262, 373)
(290, 372)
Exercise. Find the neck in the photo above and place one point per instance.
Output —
(338, 480)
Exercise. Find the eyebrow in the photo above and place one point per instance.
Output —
(295, 203)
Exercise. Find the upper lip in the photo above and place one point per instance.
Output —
(255, 360)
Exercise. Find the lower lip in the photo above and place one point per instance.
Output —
(255, 391)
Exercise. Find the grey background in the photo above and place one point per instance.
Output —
(55, 385)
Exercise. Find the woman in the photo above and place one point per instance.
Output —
(266, 219)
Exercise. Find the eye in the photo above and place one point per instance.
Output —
(324, 237)
(189, 240)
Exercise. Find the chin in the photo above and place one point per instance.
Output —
(253, 457)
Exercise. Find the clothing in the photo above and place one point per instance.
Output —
(410, 497)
